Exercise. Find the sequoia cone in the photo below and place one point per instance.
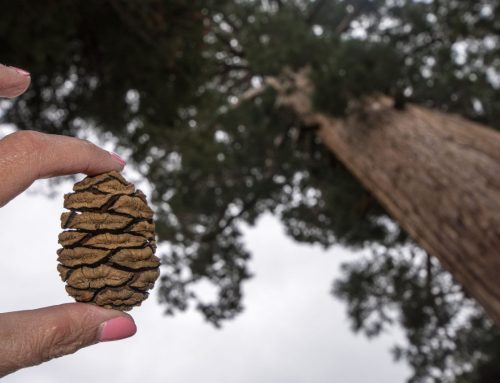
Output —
(107, 256)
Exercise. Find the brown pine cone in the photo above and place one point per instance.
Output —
(107, 256)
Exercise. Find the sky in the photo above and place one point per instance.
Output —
(292, 329)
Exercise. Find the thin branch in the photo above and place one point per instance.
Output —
(316, 8)
(230, 23)
(345, 23)
(228, 67)
(227, 42)
(250, 94)
(223, 224)
(428, 277)
(237, 83)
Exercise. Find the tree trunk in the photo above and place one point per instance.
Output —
(437, 174)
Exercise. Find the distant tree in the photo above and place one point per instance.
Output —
(190, 88)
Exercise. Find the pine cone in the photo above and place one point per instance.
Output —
(108, 250)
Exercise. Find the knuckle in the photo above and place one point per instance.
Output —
(58, 333)
(87, 145)
(26, 141)
(58, 340)
(65, 336)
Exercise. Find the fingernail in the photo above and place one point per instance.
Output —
(21, 71)
(118, 158)
(117, 328)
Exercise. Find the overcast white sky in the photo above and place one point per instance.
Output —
(292, 330)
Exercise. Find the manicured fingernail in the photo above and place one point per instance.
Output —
(21, 71)
(117, 328)
(118, 158)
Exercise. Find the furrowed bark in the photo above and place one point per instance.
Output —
(437, 174)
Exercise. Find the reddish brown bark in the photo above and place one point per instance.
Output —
(437, 174)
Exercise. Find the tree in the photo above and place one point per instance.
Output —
(183, 86)
(414, 162)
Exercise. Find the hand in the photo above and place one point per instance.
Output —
(31, 337)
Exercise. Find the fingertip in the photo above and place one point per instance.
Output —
(117, 328)
(98, 161)
(20, 71)
(118, 159)
(13, 81)
(111, 324)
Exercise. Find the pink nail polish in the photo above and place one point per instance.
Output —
(118, 158)
(21, 71)
(117, 328)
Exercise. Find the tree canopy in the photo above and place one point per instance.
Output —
(176, 83)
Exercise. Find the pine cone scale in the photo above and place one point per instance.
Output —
(94, 221)
(80, 256)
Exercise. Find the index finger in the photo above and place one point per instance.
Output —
(13, 81)
(26, 156)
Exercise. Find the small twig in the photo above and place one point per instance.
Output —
(223, 224)
(344, 24)
(316, 8)
(227, 42)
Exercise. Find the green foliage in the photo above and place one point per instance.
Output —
(169, 80)
(355, 69)
(264, 39)
(449, 339)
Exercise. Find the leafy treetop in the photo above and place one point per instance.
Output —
(171, 79)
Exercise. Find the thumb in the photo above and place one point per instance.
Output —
(28, 338)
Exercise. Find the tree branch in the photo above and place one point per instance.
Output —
(345, 23)
(316, 8)
(224, 224)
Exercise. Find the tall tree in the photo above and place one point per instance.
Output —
(190, 88)
(414, 162)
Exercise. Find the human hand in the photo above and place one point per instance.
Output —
(30, 337)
